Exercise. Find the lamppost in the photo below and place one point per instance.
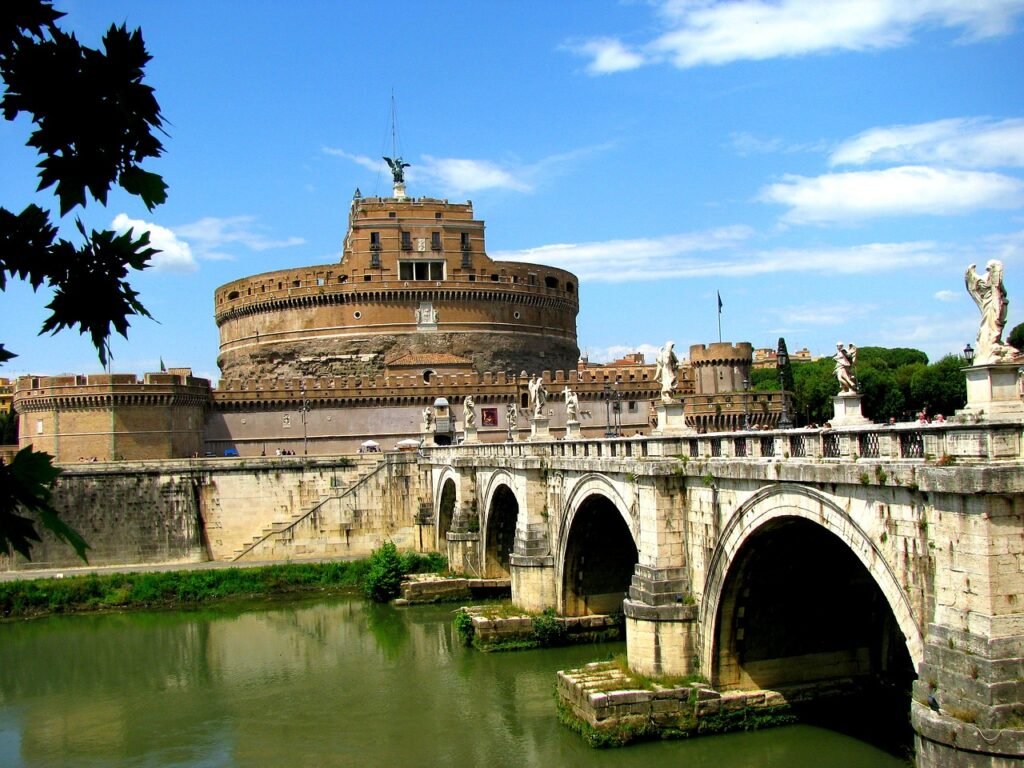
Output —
(304, 407)
(609, 430)
(746, 405)
(969, 354)
(617, 408)
(782, 360)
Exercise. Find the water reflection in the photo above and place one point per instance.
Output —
(333, 683)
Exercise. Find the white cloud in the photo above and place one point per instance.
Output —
(718, 252)
(704, 32)
(211, 234)
(817, 315)
(608, 55)
(175, 254)
(904, 190)
(459, 175)
(946, 295)
(959, 142)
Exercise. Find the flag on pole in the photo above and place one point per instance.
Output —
(163, 368)
(719, 302)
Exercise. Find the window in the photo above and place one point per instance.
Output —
(421, 270)
(426, 375)
(233, 295)
(435, 241)
(320, 281)
(39, 426)
(295, 283)
(551, 282)
(375, 241)
(531, 278)
(406, 241)
(631, 406)
(464, 241)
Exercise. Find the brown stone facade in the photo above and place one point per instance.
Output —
(111, 417)
(414, 278)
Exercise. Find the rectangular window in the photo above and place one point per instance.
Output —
(421, 270)
(435, 241)
(464, 241)
(406, 241)
(375, 241)
(39, 426)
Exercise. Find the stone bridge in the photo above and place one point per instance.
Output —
(771, 560)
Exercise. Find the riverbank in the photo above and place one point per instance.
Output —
(187, 585)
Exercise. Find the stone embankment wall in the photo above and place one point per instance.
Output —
(212, 509)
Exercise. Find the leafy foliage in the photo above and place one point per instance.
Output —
(896, 383)
(25, 487)
(1016, 337)
(94, 122)
(384, 578)
(8, 428)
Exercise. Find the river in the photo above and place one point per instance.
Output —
(334, 682)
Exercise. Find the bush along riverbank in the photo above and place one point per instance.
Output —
(188, 588)
(504, 627)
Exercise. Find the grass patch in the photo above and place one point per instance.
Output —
(187, 588)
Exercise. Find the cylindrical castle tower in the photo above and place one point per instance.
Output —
(414, 278)
(720, 367)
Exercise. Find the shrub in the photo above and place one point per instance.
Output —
(464, 627)
(384, 577)
(548, 629)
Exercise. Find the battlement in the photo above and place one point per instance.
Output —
(721, 353)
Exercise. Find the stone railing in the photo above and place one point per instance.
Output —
(943, 443)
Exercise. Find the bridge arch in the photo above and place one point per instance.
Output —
(793, 532)
(446, 497)
(597, 548)
(498, 523)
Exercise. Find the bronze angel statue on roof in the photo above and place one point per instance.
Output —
(398, 167)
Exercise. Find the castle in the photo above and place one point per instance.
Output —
(327, 358)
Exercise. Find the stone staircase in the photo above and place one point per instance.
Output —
(352, 478)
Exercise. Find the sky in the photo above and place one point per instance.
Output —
(829, 169)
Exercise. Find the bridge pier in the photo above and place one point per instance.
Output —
(662, 629)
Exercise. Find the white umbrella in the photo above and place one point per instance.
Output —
(370, 444)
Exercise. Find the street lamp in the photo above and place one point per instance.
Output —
(617, 408)
(609, 430)
(969, 354)
(782, 360)
(746, 405)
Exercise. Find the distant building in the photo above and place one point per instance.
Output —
(766, 357)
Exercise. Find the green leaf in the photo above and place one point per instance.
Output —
(25, 490)
(149, 186)
(5, 355)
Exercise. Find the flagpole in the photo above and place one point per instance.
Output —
(719, 316)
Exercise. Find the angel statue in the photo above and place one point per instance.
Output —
(665, 366)
(845, 359)
(469, 412)
(398, 167)
(989, 294)
(572, 405)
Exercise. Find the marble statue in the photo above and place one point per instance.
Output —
(665, 370)
(989, 294)
(572, 405)
(538, 396)
(845, 359)
(397, 166)
(512, 417)
(428, 417)
(469, 412)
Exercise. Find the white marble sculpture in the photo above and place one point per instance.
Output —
(469, 412)
(538, 396)
(665, 370)
(989, 294)
(846, 358)
(572, 405)
(512, 417)
(428, 417)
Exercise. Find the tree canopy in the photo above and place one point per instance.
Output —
(94, 122)
(895, 383)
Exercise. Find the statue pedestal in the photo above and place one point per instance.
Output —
(993, 392)
(572, 430)
(846, 410)
(470, 434)
(670, 420)
(539, 428)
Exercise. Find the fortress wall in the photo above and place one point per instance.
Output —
(192, 511)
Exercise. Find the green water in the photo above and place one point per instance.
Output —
(332, 683)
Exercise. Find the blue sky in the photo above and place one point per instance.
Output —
(830, 168)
